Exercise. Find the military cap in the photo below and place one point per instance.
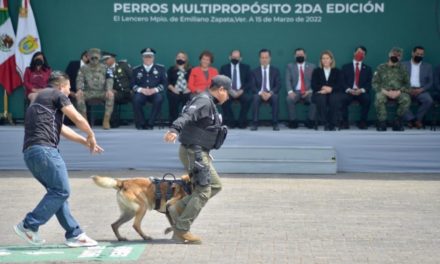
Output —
(221, 81)
(94, 51)
(396, 50)
(148, 51)
(107, 55)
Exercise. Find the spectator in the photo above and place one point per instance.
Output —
(239, 74)
(201, 76)
(391, 82)
(357, 86)
(121, 73)
(93, 83)
(327, 85)
(148, 82)
(178, 92)
(266, 84)
(36, 76)
(421, 80)
(298, 85)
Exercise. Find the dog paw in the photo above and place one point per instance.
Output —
(122, 239)
(168, 230)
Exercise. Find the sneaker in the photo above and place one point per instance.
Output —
(28, 235)
(81, 240)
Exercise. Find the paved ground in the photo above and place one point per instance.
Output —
(347, 218)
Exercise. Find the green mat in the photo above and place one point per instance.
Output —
(102, 252)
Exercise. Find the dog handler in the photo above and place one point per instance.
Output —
(43, 126)
(199, 130)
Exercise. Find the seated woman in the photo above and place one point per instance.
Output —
(178, 93)
(36, 76)
(201, 76)
(327, 86)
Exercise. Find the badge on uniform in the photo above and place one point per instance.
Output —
(139, 75)
(155, 72)
(119, 70)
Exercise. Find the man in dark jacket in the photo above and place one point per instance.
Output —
(199, 130)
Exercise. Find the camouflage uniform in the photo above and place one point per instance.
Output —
(94, 81)
(390, 78)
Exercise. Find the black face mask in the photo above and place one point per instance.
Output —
(39, 62)
(235, 61)
(394, 59)
(180, 62)
(300, 59)
(418, 59)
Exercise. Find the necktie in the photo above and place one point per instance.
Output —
(356, 79)
(234, 78)
(301, 76)
(265, 79)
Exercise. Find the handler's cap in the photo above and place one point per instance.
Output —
(107, 55)
(148, 52)
(221, 80)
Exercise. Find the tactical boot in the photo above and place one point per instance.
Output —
(186, 237)
(382, 126)
(106, 122)
(398, 125)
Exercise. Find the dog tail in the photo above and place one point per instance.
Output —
(107, 182)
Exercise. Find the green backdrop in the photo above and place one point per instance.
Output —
(67, 28)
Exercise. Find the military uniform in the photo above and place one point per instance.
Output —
(121, 74)
(153, 78)
(390, 78)
(94, 80)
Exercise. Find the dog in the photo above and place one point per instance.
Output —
(136, 196)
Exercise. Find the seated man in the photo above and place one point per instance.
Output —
(92, 83)
(357, 86)
(265, 84)
(391, 82)
(148, 82)
(239, 74)
(298, 79)
(421, 80)
(121, 73)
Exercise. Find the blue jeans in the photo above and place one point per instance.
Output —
(48, 167)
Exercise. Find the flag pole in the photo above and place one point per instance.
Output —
(6, 115)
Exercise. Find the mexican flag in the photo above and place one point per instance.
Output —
(27, 37)
(9, 77)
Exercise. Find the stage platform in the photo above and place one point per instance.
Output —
(411, 151)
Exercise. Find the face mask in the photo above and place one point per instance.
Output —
(359, 56)
(235, 61)
(300, 59)
(38, 62)
(418, 59)
(94, 60)
(394, 59)
(180, 62)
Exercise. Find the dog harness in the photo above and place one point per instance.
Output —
(169, 192)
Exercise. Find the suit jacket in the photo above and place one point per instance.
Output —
(335, 80)
(365, 76)
(172, 75)
(257, 79)
(292, 76)
(244, 74)
(72, 70)
(198, 82)
(426, 75)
